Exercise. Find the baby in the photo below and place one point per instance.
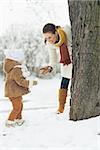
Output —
(16, 84)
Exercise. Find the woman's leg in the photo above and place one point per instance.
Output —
(63, 94)
(64, 83)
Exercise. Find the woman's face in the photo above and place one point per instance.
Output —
(50, 37)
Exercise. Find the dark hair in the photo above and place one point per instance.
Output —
(49, 27)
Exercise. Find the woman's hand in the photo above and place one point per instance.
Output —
(46, 70)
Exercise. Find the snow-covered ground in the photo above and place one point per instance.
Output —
(44, 129)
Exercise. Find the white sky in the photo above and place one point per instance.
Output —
(18, 11)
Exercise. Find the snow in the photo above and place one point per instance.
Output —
(43, 128)
(21, 24)
(33, 13)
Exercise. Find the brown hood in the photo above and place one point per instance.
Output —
(9, 65)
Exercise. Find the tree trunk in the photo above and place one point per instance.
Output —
(85, 88)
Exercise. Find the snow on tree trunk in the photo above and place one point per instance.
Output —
(85, 89)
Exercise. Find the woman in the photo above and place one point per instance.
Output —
(57, 37)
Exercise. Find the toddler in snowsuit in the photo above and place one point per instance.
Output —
(16, 84)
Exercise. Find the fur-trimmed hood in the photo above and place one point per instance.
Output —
(16, 83)
(9, 65)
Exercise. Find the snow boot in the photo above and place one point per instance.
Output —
(19, 122)
(10, 123)
(62, 100)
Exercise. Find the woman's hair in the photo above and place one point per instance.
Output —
(49, 27)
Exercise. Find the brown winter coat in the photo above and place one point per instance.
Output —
(15, 84)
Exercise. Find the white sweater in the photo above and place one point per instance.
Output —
(54, 55)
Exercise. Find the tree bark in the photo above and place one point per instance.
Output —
(85, 88)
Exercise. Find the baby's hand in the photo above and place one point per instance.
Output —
(35, 82)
